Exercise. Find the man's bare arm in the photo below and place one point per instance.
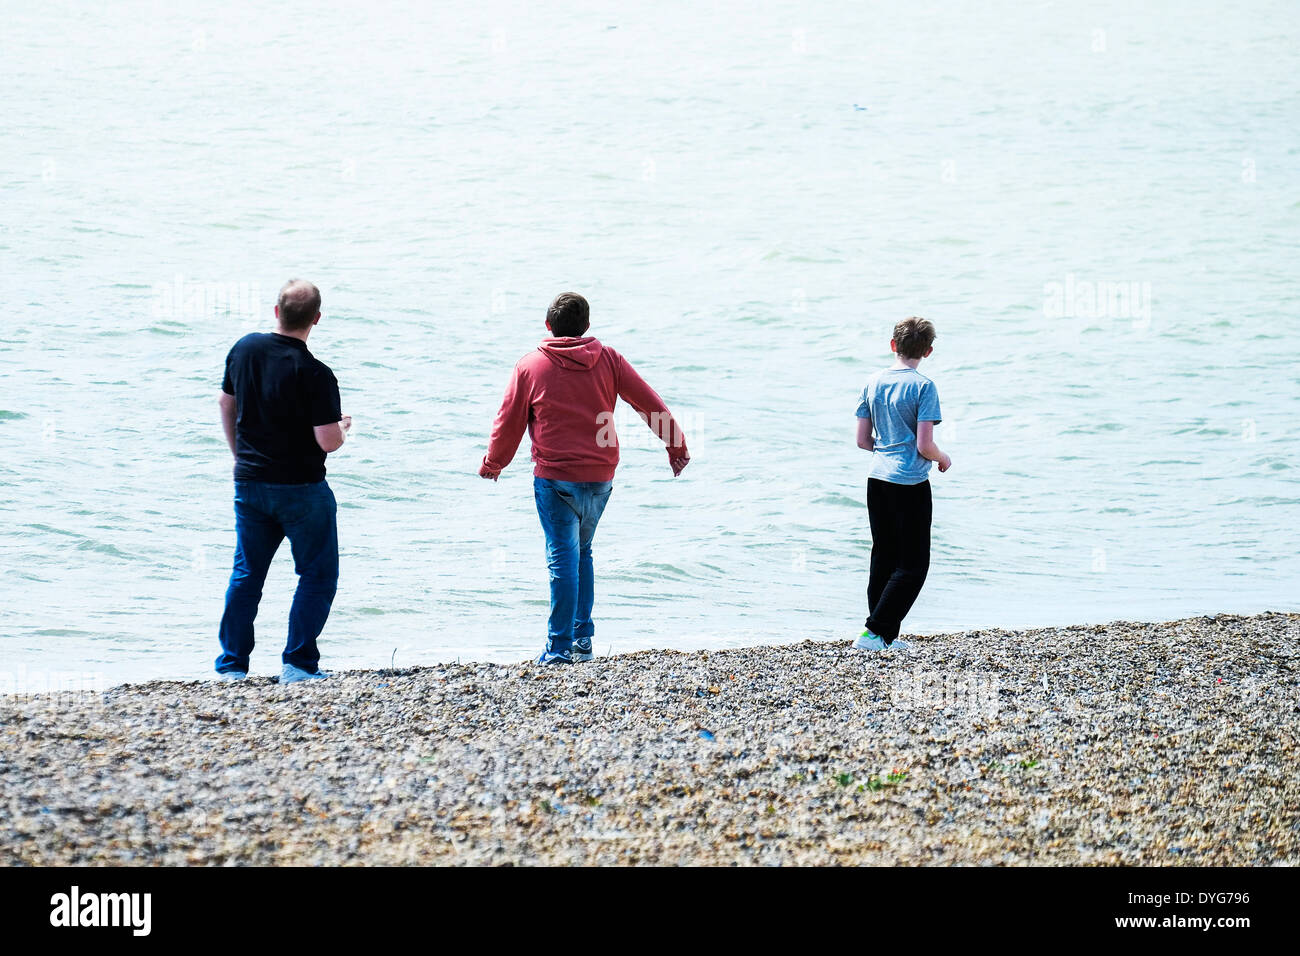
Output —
(331, 437)
(865, 439)
(229, 411)
(928, 449)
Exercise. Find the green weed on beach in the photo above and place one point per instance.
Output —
(873, 782)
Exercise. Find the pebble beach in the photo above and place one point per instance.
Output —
(1125, 743)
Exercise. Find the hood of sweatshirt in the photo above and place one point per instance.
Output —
(574, 353)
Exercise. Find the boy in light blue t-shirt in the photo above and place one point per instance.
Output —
(896, 417)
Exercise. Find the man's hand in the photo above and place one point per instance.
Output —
(345, 423)
(678, 462)
(945, 462)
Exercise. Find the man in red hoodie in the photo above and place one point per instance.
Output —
(563, 393)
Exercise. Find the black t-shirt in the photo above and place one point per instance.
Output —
(283, 393)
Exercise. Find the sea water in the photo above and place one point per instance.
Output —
(1097, 205)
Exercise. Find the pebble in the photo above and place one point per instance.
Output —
(1128, 743)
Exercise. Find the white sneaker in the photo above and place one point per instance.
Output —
(872, 642)
(869, 642)
(291, 675)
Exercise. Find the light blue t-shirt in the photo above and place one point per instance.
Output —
(895, 400)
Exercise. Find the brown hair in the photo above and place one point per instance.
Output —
(913, 337)
(569, 315)
(299, 304)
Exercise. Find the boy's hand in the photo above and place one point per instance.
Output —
(945, 462)
(485, 472)
(678, 462)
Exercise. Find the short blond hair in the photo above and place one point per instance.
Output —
(913, 337)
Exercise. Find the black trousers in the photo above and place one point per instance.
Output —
(900, 552)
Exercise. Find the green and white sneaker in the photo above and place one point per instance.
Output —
(869, 642)
(874, 642)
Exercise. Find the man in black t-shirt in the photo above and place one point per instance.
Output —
(281, 413)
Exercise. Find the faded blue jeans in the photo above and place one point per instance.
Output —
(570, 511)
(265, 514)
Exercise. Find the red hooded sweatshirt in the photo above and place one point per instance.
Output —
(564, 395)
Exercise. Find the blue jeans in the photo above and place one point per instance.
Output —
(265, 515)
(570, 511)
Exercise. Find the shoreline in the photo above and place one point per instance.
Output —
(1125, 743)
(87, 680)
